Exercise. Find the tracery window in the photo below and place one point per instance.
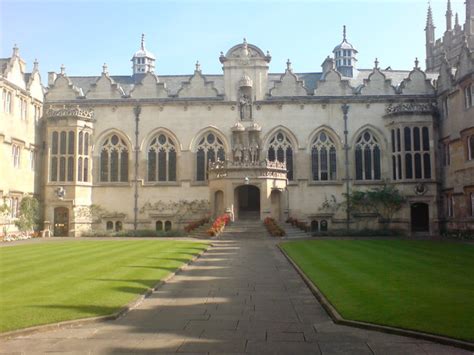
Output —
(280, 149)
(114, 160)
(162, 159)
(323, 158)
(83, 157)
(62, 156)
(210, 148)
(367, 157)
(414, 152)
(16, 154)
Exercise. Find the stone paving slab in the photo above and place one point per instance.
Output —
(240, 297)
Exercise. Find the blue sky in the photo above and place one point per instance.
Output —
(84, 34)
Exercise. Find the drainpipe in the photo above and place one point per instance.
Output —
(137, 110)
(345, 110)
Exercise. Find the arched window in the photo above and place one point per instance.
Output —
(16, 155)
(280, 149)
(323, 158)
(114, 160)
(118, 226)
(167, 226)
(159, 226)
(162, 159)
(367, 157)
(109, 225)
(208, 148)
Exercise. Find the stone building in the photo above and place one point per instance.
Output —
(154, 151)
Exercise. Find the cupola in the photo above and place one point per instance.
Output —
(345, 57)
(143, 60)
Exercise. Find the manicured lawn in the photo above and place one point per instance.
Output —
(421, 285)
(52, 282)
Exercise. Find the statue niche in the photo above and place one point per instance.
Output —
(245, 98)
(246, 144)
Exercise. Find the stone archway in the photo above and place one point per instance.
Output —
(420, 217)
(247, 202)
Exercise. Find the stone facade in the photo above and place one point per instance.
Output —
(153, 151)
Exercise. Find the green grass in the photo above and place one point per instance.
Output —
(52, 282)
(420, 285)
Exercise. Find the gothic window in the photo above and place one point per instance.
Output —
(16, 155)
(114, 160)
(62, 156)
(449, 205)
(280, 149)
(8, 102)
(159, 226)
(470, 147)
(110, 225)
(323, 158)
(367, 157)
(469, 96)
(167, 226)
(118, 226)
(210, 146)
(82, 154)
(162, 159)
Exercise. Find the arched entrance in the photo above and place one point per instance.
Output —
(420, 217)
(61, 222)
(218, 203)
(247, 201)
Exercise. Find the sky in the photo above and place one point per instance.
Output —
(85, 34)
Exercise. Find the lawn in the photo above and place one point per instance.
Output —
(52, 282)
(420, 285)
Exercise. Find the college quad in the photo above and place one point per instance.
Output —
(155, 151)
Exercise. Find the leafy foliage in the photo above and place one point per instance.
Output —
(29, 214)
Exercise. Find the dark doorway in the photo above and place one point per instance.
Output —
(61, 222)
(248, 200)
(420, 217)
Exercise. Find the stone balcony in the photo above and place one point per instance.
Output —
(253, 170)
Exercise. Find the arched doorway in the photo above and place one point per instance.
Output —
(247, 198)
(420, 217)
(61, 222)
(218, 203)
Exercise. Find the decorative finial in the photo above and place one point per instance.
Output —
(416, 63)
(456, 20)
(449, 5)
(198, 66)
(15, 50)
(63, 69)
(245, 41)
(35, 65)
(376, 63)
(105, 69)
(143, 42)
(288, 65)
(344, 33)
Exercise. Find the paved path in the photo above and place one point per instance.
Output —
(241, 296)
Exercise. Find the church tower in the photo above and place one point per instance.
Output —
(143, 60)
(345, 57)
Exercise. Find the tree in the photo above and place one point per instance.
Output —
(29, 214)
(385, 201)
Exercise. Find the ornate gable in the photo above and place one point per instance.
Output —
(149, 87)
(105, 88)
(63, 89)
(377, 84)
(288, 85)
(416, 83)
(332, 84)
(197, 86)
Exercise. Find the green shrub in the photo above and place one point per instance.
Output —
(139, 233)
(361, 233)
(459, 234)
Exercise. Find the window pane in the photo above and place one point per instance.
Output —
(79, 169)
(159, 225)
(162, 165)
(62, 169)
(271, 154)
(407, 136)
(416, 138)
(151, 165)
(211, 155)
(62, 144)
(408, 167)
(114, 165)
(86, 144)
(323, 154)
(167, 226)
(377, 165)
(418, 166)
(221, 154)
(71, 143)
(54, 169)
(172, 165)
(399, 145)
(70, 169)
(393, 140)
(394, 168)
(124, 166)
(368, 163)
(289, 163)
(427, 166)
(358, 163)
(315, 163)
(200, 161)
(104, 166)
(280, 155)
(54, 144)
(86, 169)
(81, 142)
(332, 163)
(426, 138)
(399, 166)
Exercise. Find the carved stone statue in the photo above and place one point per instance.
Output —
(245, 107)
(253, 151)
(238, 152)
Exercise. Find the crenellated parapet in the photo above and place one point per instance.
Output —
(77, 112)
